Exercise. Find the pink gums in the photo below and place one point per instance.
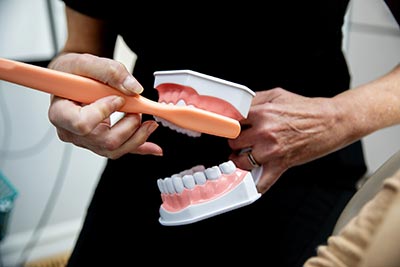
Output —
(202, 193)
(171, 93)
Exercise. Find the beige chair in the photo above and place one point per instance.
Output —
(368, 190)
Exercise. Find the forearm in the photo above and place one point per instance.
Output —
(88, 51)
(371, 106)
(88, 35)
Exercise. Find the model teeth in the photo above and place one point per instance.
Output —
(197, 175)
(178, 184)
(200, 178)
(185, 179)
(213, 173)
(161, 186)
(227, 167)
(174, 127)
(169, 185)
(189, 181)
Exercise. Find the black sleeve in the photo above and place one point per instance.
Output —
(94, 8)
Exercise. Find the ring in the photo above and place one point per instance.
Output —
(252, 161)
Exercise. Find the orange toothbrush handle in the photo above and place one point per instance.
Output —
(66, 85)
(86, 90)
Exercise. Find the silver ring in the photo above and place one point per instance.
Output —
(252, 161)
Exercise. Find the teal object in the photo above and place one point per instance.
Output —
(8, 193)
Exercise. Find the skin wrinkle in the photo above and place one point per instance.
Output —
(295, 133)
(83, 128)
(114, 70)
(306, 133)
(77, 68)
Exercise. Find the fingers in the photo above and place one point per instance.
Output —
(89, 127)
(245, 159)
(269, 96)
(253, 162)
(265, 175)
(110, 72)
(106, 70)
(136, 143)
(81, 120)
(270, 174)
(270, 171)
(128, 135)
(257, 145)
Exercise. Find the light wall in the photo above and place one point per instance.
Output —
(373, 48)
(55, 180)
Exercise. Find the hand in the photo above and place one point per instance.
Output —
(283, 130)
(88, 126)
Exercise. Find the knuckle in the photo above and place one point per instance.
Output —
(115, 70)
(63, 136)
(110, 144)
(81, 128)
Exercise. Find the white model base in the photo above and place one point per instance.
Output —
(243, 194)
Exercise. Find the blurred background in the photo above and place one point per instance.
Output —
(53, 181)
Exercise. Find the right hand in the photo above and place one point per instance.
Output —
(284, 129)
(88, 126)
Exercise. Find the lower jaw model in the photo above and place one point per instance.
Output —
(199, 193)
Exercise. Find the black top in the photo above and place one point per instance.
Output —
(296, 45)
(298, 49)
(394, 7)
(255, 45)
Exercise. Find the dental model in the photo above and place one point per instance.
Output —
(187, 88)
(199, 193)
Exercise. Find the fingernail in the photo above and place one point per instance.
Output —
(151, 127)
(118, 101)
(131, 84)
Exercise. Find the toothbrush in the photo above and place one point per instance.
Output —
(86, 90)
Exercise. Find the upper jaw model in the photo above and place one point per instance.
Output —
(199, 193)
(197, 90)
